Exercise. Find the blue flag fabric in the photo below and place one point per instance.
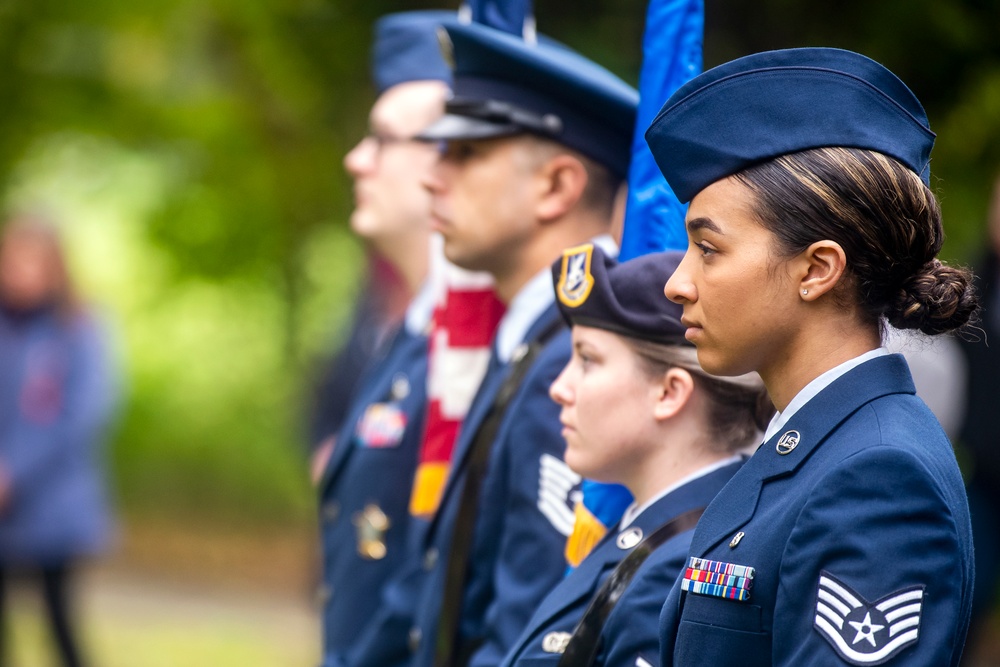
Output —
(654, 218)
(506, 15)
(672, 56)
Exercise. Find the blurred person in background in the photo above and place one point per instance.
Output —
(980, 434)
(366, 475)
(58, 394)
(377, 313)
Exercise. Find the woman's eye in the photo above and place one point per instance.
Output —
(705, 249)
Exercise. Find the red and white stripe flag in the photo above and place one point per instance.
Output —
(466, 315)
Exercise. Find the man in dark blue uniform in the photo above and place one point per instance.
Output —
(365, 487)
(535, 143)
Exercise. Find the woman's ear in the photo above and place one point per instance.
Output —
(563, 179)
(672, 393)
(820, 267)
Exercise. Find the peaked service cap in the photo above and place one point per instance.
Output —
(504, 85)
(770, 104)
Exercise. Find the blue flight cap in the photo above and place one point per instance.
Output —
(627, 298)
(769, 104)
(506, 86)
(406, 49)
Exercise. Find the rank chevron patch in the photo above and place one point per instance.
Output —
(862, 632)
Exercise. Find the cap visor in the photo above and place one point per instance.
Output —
(452, 126)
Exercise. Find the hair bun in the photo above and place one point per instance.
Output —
(937, 299)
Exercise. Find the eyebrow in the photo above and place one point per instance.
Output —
(703, 223)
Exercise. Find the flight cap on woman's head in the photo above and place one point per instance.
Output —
(770, 104)
(627, 298)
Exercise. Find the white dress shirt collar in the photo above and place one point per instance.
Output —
(633, 511)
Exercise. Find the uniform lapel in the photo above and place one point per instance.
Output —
(488, 388)
(736, 504)
(496, 373)
(346, 444)
(586, 580)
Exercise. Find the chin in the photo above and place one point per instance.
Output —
(576, 462)
(462, 261)
(719, 365)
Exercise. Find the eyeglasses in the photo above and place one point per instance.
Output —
(380, 141)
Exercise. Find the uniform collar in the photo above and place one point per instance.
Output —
(633, 511)
(808, 392)
(421, 309)
(806, 430)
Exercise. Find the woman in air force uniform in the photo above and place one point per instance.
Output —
(636, 410)
(845, 539)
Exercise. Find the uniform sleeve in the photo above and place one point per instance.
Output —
(537, 513)
(631, 633)
(89, 397)
(873, 570)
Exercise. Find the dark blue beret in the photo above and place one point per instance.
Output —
(505, 86)
(627, 298)
(769, 104)
(407, 49)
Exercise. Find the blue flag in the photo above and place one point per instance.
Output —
(671, 56)
(654, 218)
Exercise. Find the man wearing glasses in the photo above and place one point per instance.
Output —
(365, 483)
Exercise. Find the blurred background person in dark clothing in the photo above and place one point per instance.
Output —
(57, 395)
(980, 434)
(377, 314)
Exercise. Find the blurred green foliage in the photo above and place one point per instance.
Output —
(192, 149)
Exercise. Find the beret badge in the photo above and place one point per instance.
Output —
(575, 278)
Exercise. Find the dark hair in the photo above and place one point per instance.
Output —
(886, 220)
(738, 407)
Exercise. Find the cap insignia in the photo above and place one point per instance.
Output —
(576, 280)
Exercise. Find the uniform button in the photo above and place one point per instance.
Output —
(430, 559)
(331, 511)
(413, 639)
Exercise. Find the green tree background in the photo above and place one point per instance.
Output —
(191, 150)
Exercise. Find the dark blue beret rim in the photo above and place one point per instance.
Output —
(666, 339)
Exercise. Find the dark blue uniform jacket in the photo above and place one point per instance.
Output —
(859, 536)
(517, 554)
(631, 630)
(369, 476)
(525, 514)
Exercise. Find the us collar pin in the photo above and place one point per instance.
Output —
(736, 539)
(629, 538)
(788, 441)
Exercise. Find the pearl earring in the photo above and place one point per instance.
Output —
(805, 292)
